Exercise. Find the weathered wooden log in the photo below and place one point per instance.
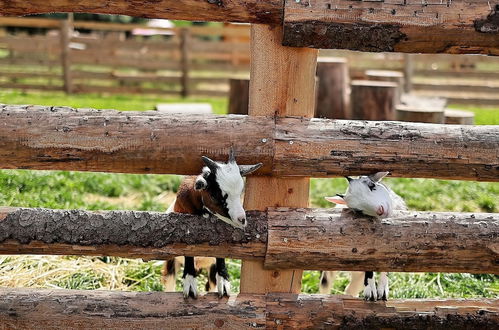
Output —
(408, 241)
(244, 11)
(373, 100)
(319, 148)
(285, 238)
(459, 117)
(63, 309)
(400, 25)
(420, 115)
(238, 96)
(388, 75)
(333, 94)
(51, 138)
(147, 235)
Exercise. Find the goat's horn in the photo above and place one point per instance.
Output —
(348, 178)
(210, 163)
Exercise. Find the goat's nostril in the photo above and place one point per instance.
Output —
(380, 210)
(242, 220)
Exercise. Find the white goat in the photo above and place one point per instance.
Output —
(369, 196)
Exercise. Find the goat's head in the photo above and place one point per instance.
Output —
(224, 186)
(368, 195)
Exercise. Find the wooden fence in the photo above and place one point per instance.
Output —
(280, 133)
(199, 61)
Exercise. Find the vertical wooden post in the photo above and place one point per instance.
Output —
(373, 100)
(238, 96)
(66, 31)
(408, 72)
(184, 61)
(282, 83)
(333, 92)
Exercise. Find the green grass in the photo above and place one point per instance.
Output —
(104, 191)
(483, 116)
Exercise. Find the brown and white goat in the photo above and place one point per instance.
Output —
(216, 191)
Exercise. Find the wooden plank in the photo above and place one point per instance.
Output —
(30, 22)
(458, 27)
(457, 87)
(62, 309)
(85, 88)
(281, 84)
(97, 59)
(147, 142)
(38, 87)
(493, 75)
(244, 11)
(31, 75)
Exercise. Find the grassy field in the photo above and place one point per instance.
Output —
(100, 191)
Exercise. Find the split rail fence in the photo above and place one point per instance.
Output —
(198, 61)
(283, 235)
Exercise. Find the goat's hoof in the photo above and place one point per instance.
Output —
(190, 287)
(223, 286)
(383, 289)
(370, 293)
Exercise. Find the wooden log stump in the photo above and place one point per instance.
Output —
(238, 96)
(388, 75)
(333, 92)
(418, 114)
(373, 100)
(459, 117)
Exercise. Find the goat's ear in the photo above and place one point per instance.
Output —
(338, 199)
(376, 177)
(248, 169)
(212, 165)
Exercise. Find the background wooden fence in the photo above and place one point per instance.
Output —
(198, 61)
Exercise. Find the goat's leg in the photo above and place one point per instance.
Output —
(169, 273)
(222, 278)
(211, 284)
(326, 281)
(383, 286)
(356, 284)
(370, 292)
(190, 281)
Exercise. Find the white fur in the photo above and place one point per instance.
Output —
(370, 292)
(231, 183)
(190, 285)
(383, 285)
(222, 284)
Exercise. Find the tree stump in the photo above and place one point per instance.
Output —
(373, 100)
(238, 96)
(388, 75)
(333, 92)
(418, 114)
(459, 117)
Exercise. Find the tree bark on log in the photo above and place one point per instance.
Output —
(63, 309)
(53, 138)
(333, 95)
(373, 100)
(295, 238)
(409, 242)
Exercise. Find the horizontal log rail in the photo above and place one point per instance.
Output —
(285, 238)
(460, 26)
(57, 138)
(62, 309)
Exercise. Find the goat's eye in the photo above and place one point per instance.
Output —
(371, 186)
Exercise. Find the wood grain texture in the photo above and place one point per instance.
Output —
(409, 241)
(320, 148)
(281, 83)
(56, 138)
(63, 309)
(460, 27)
(286, 238)
(245, 11)
(147, 235)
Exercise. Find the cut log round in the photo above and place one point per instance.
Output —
(459, 117)
(388, 75)
(373, 100)
(422, 115)
(333, 94)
